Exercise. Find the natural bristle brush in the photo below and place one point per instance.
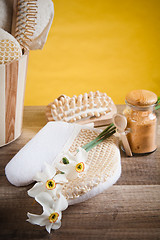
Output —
(24, 21)
(94, 107)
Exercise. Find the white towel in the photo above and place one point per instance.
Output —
(43, 147)
(6, 8)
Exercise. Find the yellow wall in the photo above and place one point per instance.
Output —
(107, 45)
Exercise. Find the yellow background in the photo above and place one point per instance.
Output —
(108, 45)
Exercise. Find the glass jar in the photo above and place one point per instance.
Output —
(142, 125)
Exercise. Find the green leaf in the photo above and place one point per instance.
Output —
(100, 140)
(65, 160)
(106, 131)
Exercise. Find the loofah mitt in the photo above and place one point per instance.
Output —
(9, 47)
(54, 140)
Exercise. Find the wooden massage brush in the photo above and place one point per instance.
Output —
(24, 21)
(94, 107)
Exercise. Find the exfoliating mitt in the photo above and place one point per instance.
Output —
(9, 47)
(54, 140)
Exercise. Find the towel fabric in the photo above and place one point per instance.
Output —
(43, 147)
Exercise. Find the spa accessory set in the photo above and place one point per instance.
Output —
(74, 161)
(70, 159)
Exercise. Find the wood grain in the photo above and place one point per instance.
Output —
(11, 94)
(129, 210)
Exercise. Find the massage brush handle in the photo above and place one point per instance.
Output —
(14, 16)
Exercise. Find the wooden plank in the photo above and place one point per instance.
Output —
(128, 210)
(122, 211)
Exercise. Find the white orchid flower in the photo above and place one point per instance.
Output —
(48, 181)
(73, 165)
(52, 211)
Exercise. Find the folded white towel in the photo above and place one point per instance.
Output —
(43, 147)
(6, 8)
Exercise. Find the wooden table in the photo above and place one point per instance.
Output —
(128, 210)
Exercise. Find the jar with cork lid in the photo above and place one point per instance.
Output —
(141, 121)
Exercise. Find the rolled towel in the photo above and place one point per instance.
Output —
(44, 147)
(6, 8)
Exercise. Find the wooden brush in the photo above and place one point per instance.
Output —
(24, 21)
(94, 107)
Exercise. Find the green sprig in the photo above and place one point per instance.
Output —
(109, 131)
(158, 104)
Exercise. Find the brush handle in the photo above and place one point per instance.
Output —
(14, 16)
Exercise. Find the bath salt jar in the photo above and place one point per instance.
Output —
(141, 121)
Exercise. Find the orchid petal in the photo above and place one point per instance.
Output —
(61, 204)
(62, 167)
(36, 189)
(41, 220)
(56, 225)
(69, 156)
(49, 227)
(49, 171)
(55, 192)
(60, 178)
(45, 200)
(82, 155)
(40, 177)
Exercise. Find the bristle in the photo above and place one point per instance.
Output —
(62, 100)
(72, 113)
(91, 105)
(102, 113)
(107, 110)
(53, 106)
(66, 107)
(94, 104)
(60, 103)
(59, 117)
(61, 109)
(26, 16)
(54, 112)
(78, 110)
(84, 108)
(91, 114)
(71, 120)
(66, 100)
(84, 115)
(78, 118)
(72, 104)
(104, 95)
(99, 104)
(97, 93)
(105, 103)
(65, 114)
(90, 94)
(79, 101)
(96, 114)
(56, 102)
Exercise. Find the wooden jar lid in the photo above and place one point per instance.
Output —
(141, 98)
